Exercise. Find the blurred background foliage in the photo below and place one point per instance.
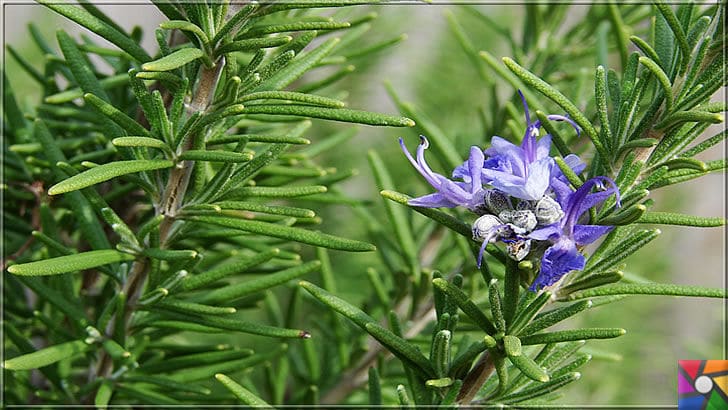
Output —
(431, 70)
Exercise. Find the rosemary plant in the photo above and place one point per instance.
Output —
(161, 208)
(163, 196)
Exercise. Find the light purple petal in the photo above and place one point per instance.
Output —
(556, 117)
(435, 200)
(539, 175)
(575, 163)
(500, 178)
(455, 192)
(510, 152)
(475, 165)
(461, 171)
(425, 172)
(543, 147)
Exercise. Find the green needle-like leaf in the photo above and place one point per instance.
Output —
(168, 383)
(375, 387)
(591, 281)
(542, 389)
(169, 254)
(268, 209)
(185, 26)
(286, 232)
(106, 172)
(141, 142)
(647, 49)
(440, 141)
(397, 217)
(661, 78)
(401, 348)
(679, 117)
(235, 325)
(298, 66)
(46, 356)
(441, 353)
(524, 316)
(559, 98)
(70, 263)
(572, 335)
(669, 218)
(600, 92)
(444, 219)
(253, 44)
(99, 27)
(213, 275)
(293, 96)
(677, 30)
(103, 395)
(278, 192)
(210, 355)
(82, 71)
(335, 114)
(215, 156)
(345, 308)
(73, 93)
(625, 217)
(174, 60)
(650, 289)
(511, 345)
(623, 249)
(129, 125)
(529, 368)
(249, 287)
(495, 307)
(555, 316)
(242, 393)
(465, 304)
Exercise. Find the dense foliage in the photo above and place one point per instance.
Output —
(160, 209)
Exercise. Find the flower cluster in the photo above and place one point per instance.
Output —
(523, 199)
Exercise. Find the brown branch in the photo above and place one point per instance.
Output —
(475, 379)
(179, 178)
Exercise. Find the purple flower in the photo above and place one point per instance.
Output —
(468, 193)
(525, 171)
(566, 234)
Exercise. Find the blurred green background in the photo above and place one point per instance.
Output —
(430, 70)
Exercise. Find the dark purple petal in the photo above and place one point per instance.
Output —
(582, 199)
(558, 260)
(525, 107)
(586, 234)
(549, 232)
(562, 191)
(475, 165)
